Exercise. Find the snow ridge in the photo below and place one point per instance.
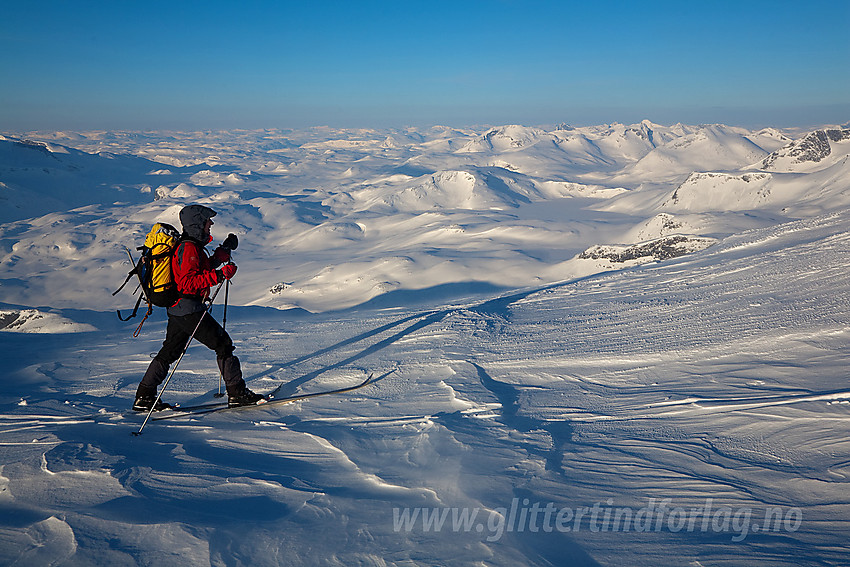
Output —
(620, 321)
(501, 207)
(808, 152)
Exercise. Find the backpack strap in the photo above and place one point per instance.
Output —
(135, 309)
(136, 267)
(135, 271)
(130, 275)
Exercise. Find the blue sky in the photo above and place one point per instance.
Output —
(198, 65)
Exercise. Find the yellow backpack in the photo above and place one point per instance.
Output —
(153, 269)
(158, 281)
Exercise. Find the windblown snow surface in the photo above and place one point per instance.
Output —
(618, 345)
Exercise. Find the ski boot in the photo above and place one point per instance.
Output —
(244, 398)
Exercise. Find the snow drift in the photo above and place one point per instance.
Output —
(573, 332)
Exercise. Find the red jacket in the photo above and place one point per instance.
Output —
(194, 274)
(194, 271)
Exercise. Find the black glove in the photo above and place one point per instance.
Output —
(231, 242)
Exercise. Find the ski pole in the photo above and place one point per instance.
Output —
(173, 370)
(224, 327)
(230, 243)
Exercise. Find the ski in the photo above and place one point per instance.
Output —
(222, 406)
(104, 415)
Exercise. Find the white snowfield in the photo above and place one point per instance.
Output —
(613, 345)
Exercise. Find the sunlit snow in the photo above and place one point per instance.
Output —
(611, 345)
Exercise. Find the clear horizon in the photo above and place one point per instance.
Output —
(213, 65)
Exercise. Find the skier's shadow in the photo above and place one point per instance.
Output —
(496, 306)
(292, 386)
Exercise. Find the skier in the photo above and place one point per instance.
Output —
(194, 273)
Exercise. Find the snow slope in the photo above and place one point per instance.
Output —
(442, 205)
(539, 398)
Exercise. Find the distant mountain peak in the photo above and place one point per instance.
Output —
(505, 138)
(813, 148)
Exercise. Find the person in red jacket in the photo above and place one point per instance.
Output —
(194, 273)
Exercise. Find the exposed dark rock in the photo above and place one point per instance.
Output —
(655, 250)
(813, 148)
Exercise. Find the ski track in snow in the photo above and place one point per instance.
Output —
(719, 375)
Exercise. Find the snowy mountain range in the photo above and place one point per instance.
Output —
(511, 206)
(619, 321)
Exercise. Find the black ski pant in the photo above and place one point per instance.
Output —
(209, 333)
